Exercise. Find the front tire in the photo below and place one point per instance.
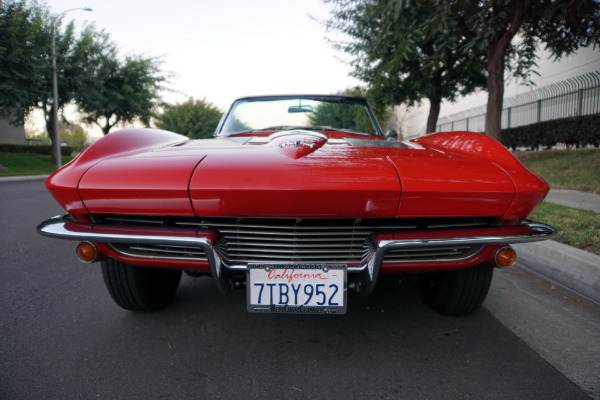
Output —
(456, 293)
(139, 289)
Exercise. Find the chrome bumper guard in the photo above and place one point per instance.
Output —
(62, 227)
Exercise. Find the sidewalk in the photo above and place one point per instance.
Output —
(575, 269)
(572, 198)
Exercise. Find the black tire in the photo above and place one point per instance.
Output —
(456, 293)
(139, 289)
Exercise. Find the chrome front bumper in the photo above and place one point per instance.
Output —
(63, 227)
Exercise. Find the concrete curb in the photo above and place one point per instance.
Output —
(575, 269)
(22, 178)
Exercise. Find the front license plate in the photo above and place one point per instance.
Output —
(297, 288)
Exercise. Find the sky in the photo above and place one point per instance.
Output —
(223, 49)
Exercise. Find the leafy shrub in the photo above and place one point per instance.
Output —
(23, 148)
(573, 132)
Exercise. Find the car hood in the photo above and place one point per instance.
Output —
(297, 174)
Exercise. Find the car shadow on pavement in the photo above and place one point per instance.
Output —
(389, 345)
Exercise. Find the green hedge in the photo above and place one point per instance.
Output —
(573, 132)
(37, 149)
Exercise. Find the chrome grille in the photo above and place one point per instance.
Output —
(160, 252)
(297, 241)
(442, 253)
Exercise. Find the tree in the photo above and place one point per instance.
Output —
(383, 112)
(24, 62)
(77, 58)
(348, 115)
(121, 91)
(192, 118)
(563, 26)
(89, 72)
(342, 115)
(405, 53)
(76, 139)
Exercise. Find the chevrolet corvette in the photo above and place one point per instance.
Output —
(298, 200)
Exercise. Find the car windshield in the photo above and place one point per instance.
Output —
(335, 113)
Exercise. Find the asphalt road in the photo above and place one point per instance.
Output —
(61, 337)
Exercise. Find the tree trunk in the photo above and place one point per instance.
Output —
(49, 119)
(496, 55)
(495, 87)
(435, 102)
(108, 126)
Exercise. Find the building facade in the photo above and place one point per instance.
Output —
(10, 134)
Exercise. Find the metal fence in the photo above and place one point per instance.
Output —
(576, 96)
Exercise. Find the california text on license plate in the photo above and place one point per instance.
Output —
(297, 288)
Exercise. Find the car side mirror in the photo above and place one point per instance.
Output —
(391, 134)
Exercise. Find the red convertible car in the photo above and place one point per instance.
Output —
(299, 200)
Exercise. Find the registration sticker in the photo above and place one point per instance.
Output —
(297, 288)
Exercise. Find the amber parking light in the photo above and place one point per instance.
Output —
(87, 252)
(505, 257)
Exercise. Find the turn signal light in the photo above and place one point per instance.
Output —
(505, 257)
(86, 252)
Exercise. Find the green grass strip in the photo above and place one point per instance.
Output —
(577, 228)
(17, 164)
(566, 169)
